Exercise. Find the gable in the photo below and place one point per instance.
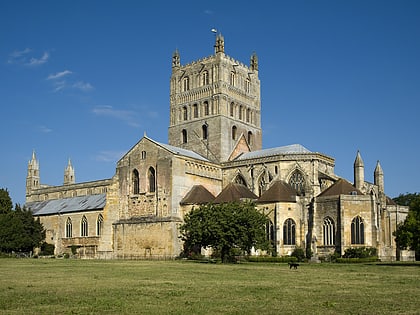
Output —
(240, 148)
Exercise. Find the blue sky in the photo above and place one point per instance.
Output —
(85, 79)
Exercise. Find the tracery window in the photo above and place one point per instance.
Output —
(99, 224)
(152, 179)
(84, 227)
(240, 180)
(328, 231)
(297, 181)
(289, 232)
(69, 228)
(357, 231)
(136, 182)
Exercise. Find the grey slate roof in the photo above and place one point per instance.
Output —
(66, 205)
(181, 151)
(287, 149)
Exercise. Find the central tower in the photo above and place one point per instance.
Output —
(214, 104)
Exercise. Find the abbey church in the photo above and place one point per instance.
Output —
(214, 154)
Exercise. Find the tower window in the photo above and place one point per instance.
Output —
(186, 83)
(152, 180)
(232, 109)
(248, 114)
(206, 108)
(205, 132)
(250, 138)
(234, 133)
(240, 112)
(247, 85)
(357, 231)
(232, 78)
(195, 110)
(184, 136)
(205, 78)
(185, 112)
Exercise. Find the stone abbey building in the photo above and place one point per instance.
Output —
(214, 154)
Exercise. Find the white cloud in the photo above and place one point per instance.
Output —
(127, 116)
(18, 56)
(82, 86)
(44, 129)
(38, 61)
(59, 75)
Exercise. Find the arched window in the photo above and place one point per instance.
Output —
(186, 84)
(84, 227)
(205, 131)
(184, 136)
(152, 179)
(69, 228)
(232, 78)
(289, 232)
(185, 112)
(99, 224)
(195, 111)
(136, 182)
(232, 109)
(248, 114)
(297, 181)
(240, 180)
(328, 231)
(143, 155)
(206, 108)
(234, 133)
(357, 231)
(205, 77)
(247, 85)
(240, 111)
(250, 138)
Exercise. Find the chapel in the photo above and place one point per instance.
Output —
(214, 154)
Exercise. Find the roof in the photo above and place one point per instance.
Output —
(66, 205)
(279, 191)
(234, 192)
(287, 149)
(390, 202)
(181, 151)
(197, 195)
(340, 187)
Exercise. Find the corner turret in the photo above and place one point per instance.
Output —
(69, 177)
(379, 177)
(359, 172)
(32, 178)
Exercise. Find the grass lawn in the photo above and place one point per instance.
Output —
(66, 286)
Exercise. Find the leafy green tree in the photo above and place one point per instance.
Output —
(6, 204)
(19, 231)
(225, 227)
(407, 235)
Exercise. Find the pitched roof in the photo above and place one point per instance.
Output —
(279, 191)
(197, 195)
(340, 187)
(66, 205)
(234, 192)
(287, 149)
(390, 202)
(181, 151)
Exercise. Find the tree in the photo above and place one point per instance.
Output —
(225, 227)
(19, 231)
(407, 234)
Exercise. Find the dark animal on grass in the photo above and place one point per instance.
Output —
(293, 265)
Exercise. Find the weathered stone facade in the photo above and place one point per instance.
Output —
(215, 139)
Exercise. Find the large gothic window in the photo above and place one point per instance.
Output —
(136, 182)
(328, 231)
(152, 179)
(99, 224)
(297, 181)
(69, 228)
(84, 227)
(357, 231)
(289, 232)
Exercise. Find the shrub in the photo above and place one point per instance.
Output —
(360, 252)
(270, 259)
(299, 253)
(47, 249)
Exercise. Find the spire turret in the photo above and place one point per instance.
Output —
(254, 62)
(379, 177)
(359, 172)
(176, 60)
(32, 178)
(219, 47)
(69, 177)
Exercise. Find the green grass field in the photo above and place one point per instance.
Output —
(66, 286)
